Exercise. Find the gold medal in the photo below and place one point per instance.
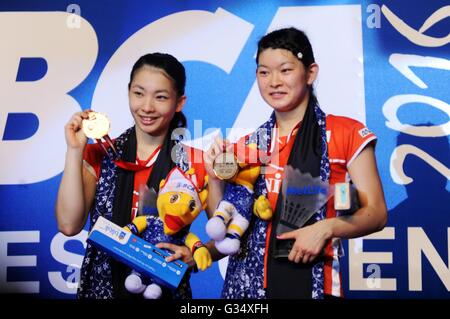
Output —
(225, 166)
(96, 126)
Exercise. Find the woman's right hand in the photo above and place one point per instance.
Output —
(75, 137)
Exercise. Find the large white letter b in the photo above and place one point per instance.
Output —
(69, 55)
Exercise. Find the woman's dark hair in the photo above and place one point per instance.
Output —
(174, 69)
(290, 39)
(293, 40)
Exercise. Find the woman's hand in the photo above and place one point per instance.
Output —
(218, 147)
(179, 252)
(309, 241)
(216, 186)
(75, 137)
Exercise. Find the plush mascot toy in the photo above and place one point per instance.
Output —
(233, 214)
(178, 203)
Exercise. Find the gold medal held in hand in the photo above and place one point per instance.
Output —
(225, 166)
(96, 126)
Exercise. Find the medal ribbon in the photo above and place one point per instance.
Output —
(129, 166)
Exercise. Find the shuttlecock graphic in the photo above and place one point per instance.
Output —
(302, 196)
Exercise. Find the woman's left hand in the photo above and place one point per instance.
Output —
(179, 252)
(309, 241)
(217, 147)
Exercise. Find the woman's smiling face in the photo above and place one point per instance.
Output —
(153, 100)
(282, 79)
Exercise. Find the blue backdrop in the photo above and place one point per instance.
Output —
(385, 63)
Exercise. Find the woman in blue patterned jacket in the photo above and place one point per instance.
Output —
(98, 183)
(329, 148)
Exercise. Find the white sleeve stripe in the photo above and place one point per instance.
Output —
(359, 150)
(337, 160)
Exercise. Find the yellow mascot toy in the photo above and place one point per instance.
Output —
(179, 203)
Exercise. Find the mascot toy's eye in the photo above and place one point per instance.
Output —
(174, 198)
(192, 205)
